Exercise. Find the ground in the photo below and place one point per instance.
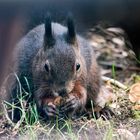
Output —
(117, 61)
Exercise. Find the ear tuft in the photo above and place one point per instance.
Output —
(71, 29)
(48, 36)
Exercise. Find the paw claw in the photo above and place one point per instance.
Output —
(105, 113)
(70, 105)
(51, 110)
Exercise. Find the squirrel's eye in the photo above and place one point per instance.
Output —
(77, 66)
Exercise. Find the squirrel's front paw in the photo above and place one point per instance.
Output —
(105, 113)
(51, 110)
(70, 105)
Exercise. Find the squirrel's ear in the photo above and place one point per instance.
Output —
(48, 36)
(71, 35)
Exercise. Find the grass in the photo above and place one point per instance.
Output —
(74, 130)
(31, 127)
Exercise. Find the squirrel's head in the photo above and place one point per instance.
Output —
(62, 63)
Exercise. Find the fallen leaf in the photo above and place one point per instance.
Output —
(136, 107)
(134, 93)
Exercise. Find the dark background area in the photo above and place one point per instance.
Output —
(17, 18)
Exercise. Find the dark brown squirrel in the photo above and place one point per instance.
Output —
(61, 68)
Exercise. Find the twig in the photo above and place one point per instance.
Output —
(133, 68)
(114, 82)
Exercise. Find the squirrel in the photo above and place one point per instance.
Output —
(61, 68)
